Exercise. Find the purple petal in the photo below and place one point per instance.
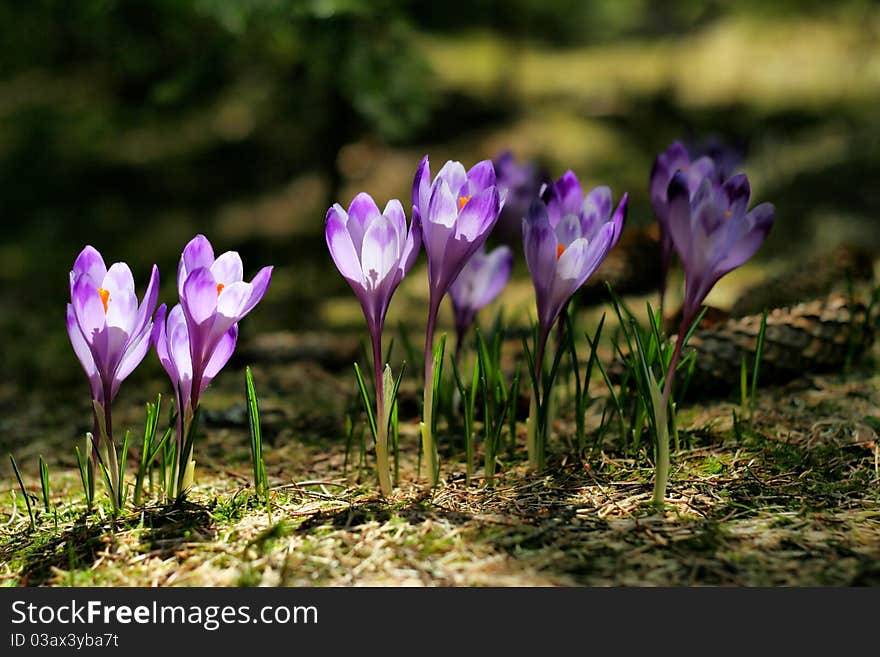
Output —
(381, 251)
(134, 354)
(760, 221)
(199, 298)
(341, 247)
(198, 253)
(478, 216)
(118, 279)
(598, 203)
(232, 301)
(180, 352)
(497, 267)
(394, 212)
(539, 246)
(571, 196)
(361, 213)
(702, 168)
(679, 218)
(222, 354)
(480, 176)
(619, 218)
(412, 245)
(89, 310)
(148, 304)
(454, 175)
(228, 268)
(160, 341)
(568, 230)
(443, 206)
(84, 354)
(421, 191)
(89, 263)
(259, 287)
(736, 192)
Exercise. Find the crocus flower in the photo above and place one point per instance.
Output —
(196, 339)
(481, 280)
(523, 183)
(671, 161)
(458, 210)
(566, 236)
(713, 233)
(109, 331)
(373, 251)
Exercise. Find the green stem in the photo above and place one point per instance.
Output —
(661, 476)
(428, 447)
(382, 467)
(537, 429)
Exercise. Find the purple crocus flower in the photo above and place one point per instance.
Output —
(196, 339)
(373, 251)
(109, 331)
(566, 236)
(523, 183)
(110, 334)
(713, 233)
(671, 161)
(458, 210)
(481, 280)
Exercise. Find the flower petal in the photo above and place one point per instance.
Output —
(89, 263)
(84, 354)
(259, 286)
(539, 246)
(455, 177)
(228, 268)
(736, 193)
(480, 176)
(394, 212)
(443, 206)
(118, 279)
(679, 219)
(232, 301)
(341, 247)
(381, 251)
(478, 216)
(198, 253)
(361, 213)
(421, 191)
(89, 310)
(199, 298)
(148, 303)
(222, 354)
(134, 354)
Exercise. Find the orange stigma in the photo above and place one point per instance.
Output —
(727, 214)
(462, 201)
(105, 297)
(559, 251)
(220, 287)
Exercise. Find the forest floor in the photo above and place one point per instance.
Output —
(791, 497)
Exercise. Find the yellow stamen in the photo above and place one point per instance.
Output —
(559, 251)
(220, 287)
(105, 297)
(727, 214)
(462, 201)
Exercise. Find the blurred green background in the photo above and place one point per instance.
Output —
(134, 125)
